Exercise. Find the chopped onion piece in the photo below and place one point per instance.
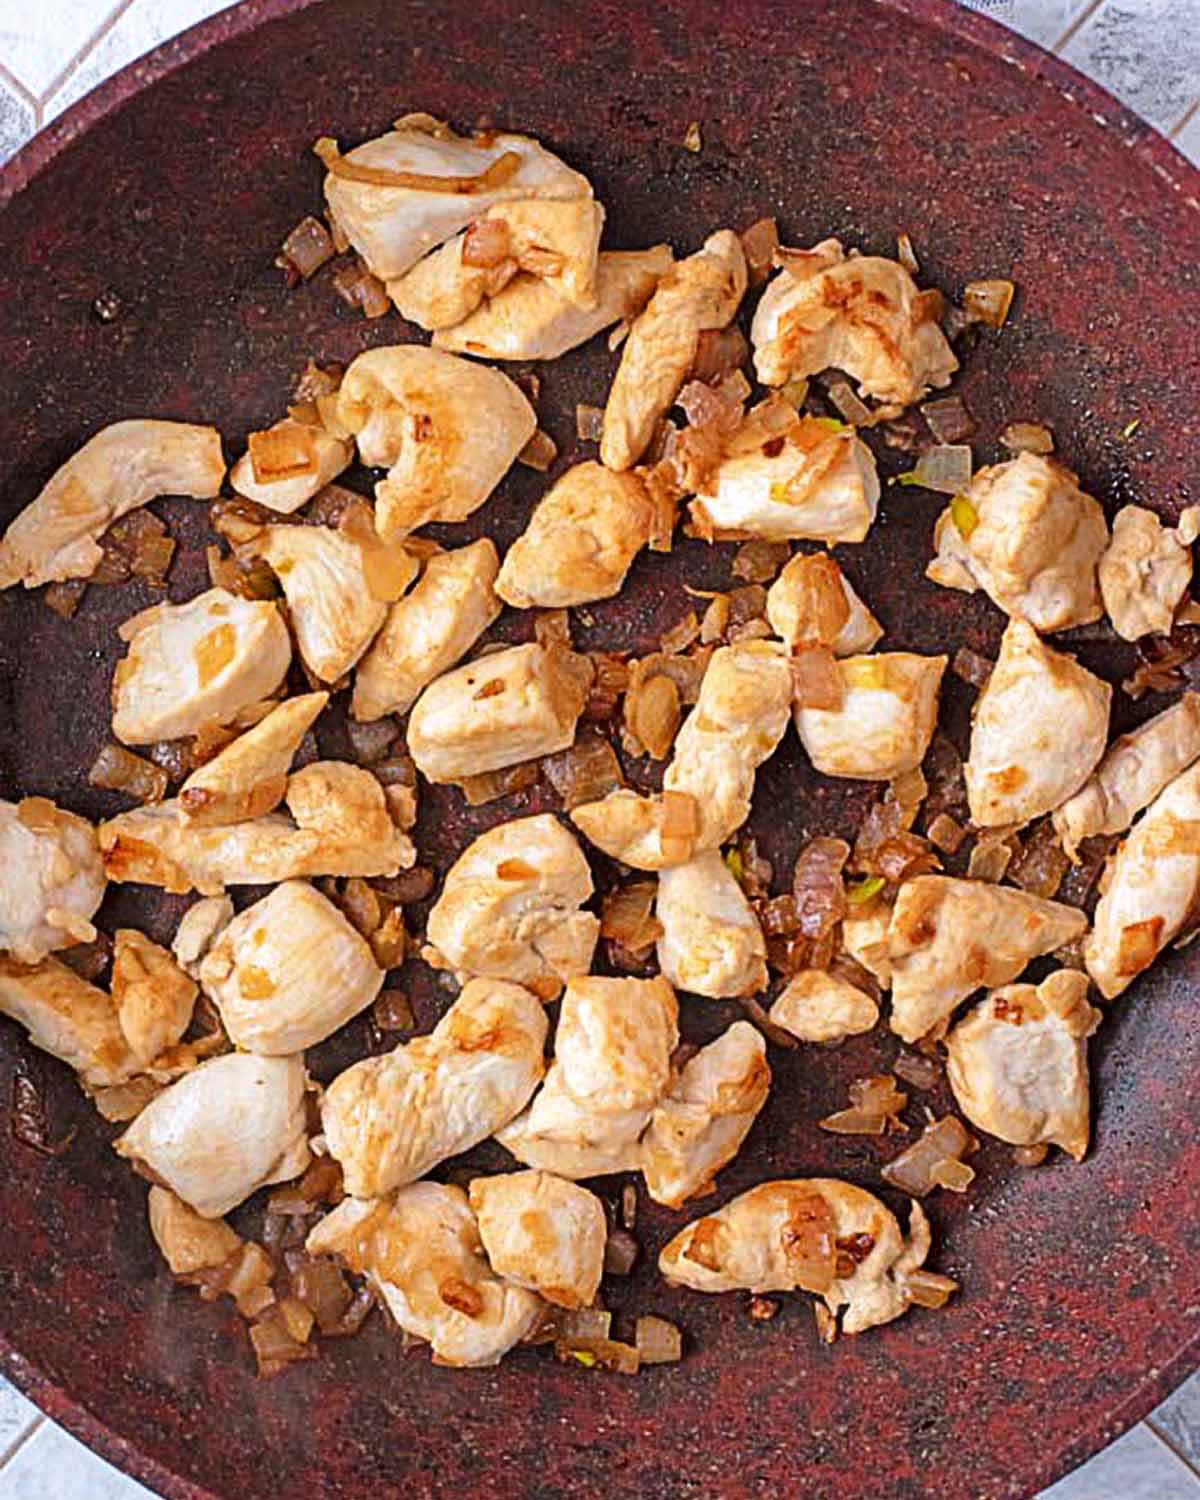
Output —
(539, 452)
(972, 668)
(691, 137)
(308, 247)
(282, 453)
(945, 468)
(948, 419)
(758, 561)
(926, 1163)
(928, 1289)
(63, 598)
(589, 423)
(488, 786)
(658, 1342)
(759, 244)
(620, 1253)
(946, 834)
(1041, 863)
(116, 769)
(653, 714)
(817, 885)
(816, 679)
(876, 1105)
(906, 255)
(849, 407)
(988, 302)
(626, 916)
(1028, 437)
(501, 170)
(915, 1068)
(608, 1353)
(992, 855)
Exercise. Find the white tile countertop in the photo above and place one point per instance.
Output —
(1147, 52)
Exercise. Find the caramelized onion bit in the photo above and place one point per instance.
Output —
(116, 769)
(506, 165)
(1041, 863)
(946, 834)
(620, 1253)
(489, 786)
(971, 668)
(816, 679)
(719, 351)
(916, 1068)
(848, 406)
(275, 1345)
(589, 423)
(539, 452)
(387, 568)
(988, 302)
(358, 287)
(393, 1011)
(585, 772)
(282, 453)
(945, 468)
(609, 1354)
(875, 1107)
(653, 713)
(992, 855)
(817, 887)
(658, 1342)
(63, 598)
(926, 1164)
(928, 1289)
(948, 419)
(759, 244)
(306, 249)
(135, 546)
(371, 742)
(758, 561)
(1028, 437)
(29, 1118)
(626, 916)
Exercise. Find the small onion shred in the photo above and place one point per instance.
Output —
(759, 244)
(584, 772)
(506, 165)
(1028, 437)
(658, 1341)
(539, 452)
(926, 1164)
(116, 769)
(988, 302)
(875, 1107)
(816, 679)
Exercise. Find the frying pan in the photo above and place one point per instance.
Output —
(171, 188)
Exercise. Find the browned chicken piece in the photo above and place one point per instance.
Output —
(153, 996)
(510, 908)
(951, 937)
(233, 1125)
(1038, 730)
(198, 930)
(51, 879)
(310, 458)
(249, 777)
(388, 1120)
(1153, 884)
(1030, 538)
(543, 1233)
(816, 1006)
(555, 241)
(194, 664)
(345, 806)
(862, 314)
(794, 610)
(428, 631)
(886, 721)
(68, 1018)
(740, 717)
(711, 942)
(1136, 768)
(698, 294)
(188, 1242)
(498, 710)
(1018, 1063)
(446, 430)
(121, 468)
(865, 938)
(530, 320)
(288, 972)
(392, 224)
(700, 1124)
(580, 541)
(422, 1253)
(1146, 570)
(789, 1235)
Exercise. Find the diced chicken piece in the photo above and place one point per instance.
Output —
(1018, 1063)
(784, 1236)
(530, 320)
(509, 908)
(199, 928)
(153, 996)
(422, 1253)
(698, 294)
(816, 1006)
(1137, 767)
(701, 1123)
(711, 942)
(580, 540)
(738, 720)
(498, 710)
(1035, 543)
(808, 481)
(342, 828)
(863, 315)
(611, 1066)
(951, 937)
(319, 457)
(792, 610)
(288, 971)
(68, 1018)
(389, 1119)
(249, 777)
(393, 225)
(51, 879)
(233, 1125)
(429, 630)
(543, 1233)
(334, 614)
(447, 431)
(197, 663)
(188, 1242)
(887, 718)
(555, 241)
(1039, 728)
(1152, 890)
(865, 938)
(1146, 570)
(119, 469)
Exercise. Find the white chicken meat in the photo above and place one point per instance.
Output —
(154, 997)
(51, 879)
(199, 928)
(68, 1018)
(542, 1232)
(315, 458)
(886, 721)
(249, 777)
(711, 942)
(1146, 570)
(817, 1006)
(796, 608)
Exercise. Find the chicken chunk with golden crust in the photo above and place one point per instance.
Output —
(389, 1119)
(1152, 889)
(51, 879)
(194, 664)
(862, 314)
(233, 1125)
(188, 1242)
(886, 721)
(199, 928)
(250, 776)
(1018, 1063)
(1038, 730)
(951, 937)
(700, 1124)
(153, 996)
(789, 1235)
(119, 469)
(698, 294)
(422, 1253)
(309, 458)
(801, 608)
(711, 942)
(817, 1006)
(510, 908)
(1146, 570)
(580, 541)
(68, 1018)
(542, 1232)
(1030, 538)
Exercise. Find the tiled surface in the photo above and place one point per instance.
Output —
(1147, 52)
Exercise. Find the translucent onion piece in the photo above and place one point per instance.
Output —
(816, 679)
(116, 769)
(928, 1289)
(759, 244)
(658, 1342)
(1028, 437)
(914, 1171)
(539, 452)
(308, 246)
(945, 468)
(589, 423)
(948, 419)
(988, 302)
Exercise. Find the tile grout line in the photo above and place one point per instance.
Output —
(1185, 119)
(11, 1452)
(14, 83)
(1077, 24)
(77, 59)
(1168, 1442)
